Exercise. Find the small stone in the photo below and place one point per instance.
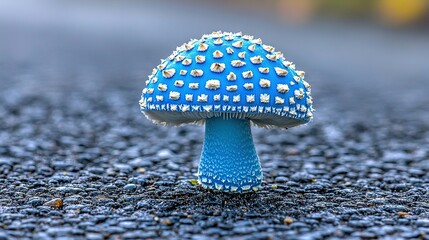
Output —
(130, 187)
(287, 220)
(403, 214)
(194, 182)
(422, 222)
(303, 177)
(281, 179)
(164, 154)
(140, 162)
(55, 203)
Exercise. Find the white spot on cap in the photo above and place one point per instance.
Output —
(217, 34)
(213, 84)
(271, 57)
(264, 83)
(162, 87)
(154, 71)
(162, 66)
(247, 37)
(229, 50)
(279, 100)
(188, 97)
(301, 74)
(299, 93)
(142, 103)
(172, 55)
(197, 73)
(264, 70)
(268, 48)
(217, 67)
(187, 61)
(144, 90)
(236, 98)
(231, 76)
(229, 37)
(174, 95)
(200, 59)
(149, 99)
(291, 100)
(264, 98)
(208, 108)
(309, 114)
(216, 97)
(154, 80)
(247, 74)
(185, 108)
(256, 59)
(282, 88)
(188, 46)
(218, 41)
(242, 55)
(286, 63)
(202, 98)
(231, 88)
(217, 54)
(150, 90)
(257, 41)
(168, 73)
(309, 101)
(238, 44)
(237, 63)
(183, 72)
(280, 71)
(159, 98)
(179, 83)
(179, 58)
(203, 47)
(251, 47)
(306, 84)
(225, 98)
(296, 78)
(173, 107)
(250, 98)
(193, 85)
(248, 86)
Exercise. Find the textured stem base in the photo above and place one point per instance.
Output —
(229, 162)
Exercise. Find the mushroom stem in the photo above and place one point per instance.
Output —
(229, 161)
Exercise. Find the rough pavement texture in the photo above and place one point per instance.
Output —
(360, 170)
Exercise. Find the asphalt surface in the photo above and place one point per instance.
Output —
(70, 129)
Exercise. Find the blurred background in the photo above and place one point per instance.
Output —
(368, 50)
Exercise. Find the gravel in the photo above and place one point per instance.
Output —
(118, 178)
(79, 161)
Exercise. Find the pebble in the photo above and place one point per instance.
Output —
(130, 187)
(422, 222)
(140, 162)
(56, 203)
(303, 177)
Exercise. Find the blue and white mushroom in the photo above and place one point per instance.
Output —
(228, 81)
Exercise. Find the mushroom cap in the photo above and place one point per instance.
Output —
(227, 75)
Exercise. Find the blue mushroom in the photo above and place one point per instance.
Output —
(228, 81)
